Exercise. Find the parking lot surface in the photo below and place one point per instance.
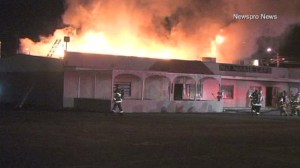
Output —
(91, 139)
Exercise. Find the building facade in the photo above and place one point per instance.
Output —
(239, 81)
(87, 82)
(154, 85)
(150, 85)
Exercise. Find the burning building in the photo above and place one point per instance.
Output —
(150, 85)
(87, 81)
(155, 85)
(153, 48)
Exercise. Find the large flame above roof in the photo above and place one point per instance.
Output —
(170, 29)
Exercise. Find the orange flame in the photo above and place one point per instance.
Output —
(119, 29)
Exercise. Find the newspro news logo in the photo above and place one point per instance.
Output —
(255, 17)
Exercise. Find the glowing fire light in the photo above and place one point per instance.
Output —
(214, 48)
(98, 28)
(214, 44)
(220, 39)
(105, 43)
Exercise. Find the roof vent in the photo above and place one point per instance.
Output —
(209, 59)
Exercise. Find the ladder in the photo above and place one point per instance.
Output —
(53, 48)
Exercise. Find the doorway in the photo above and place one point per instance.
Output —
(178, 90)
(269, 96)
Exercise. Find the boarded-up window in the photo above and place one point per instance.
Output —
(227, 91)
(125, 86)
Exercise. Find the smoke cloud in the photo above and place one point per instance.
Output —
(188, 28)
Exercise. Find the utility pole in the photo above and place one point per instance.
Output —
(269, 50)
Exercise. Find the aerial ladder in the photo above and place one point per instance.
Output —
(53, 48)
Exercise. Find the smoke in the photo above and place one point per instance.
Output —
(184, 28)
(189, 25)
(247, 32)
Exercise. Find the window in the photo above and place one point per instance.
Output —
(125, 86)
(253, 88)
(189, 91)
(227, 91)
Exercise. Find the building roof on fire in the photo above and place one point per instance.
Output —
(102, 61)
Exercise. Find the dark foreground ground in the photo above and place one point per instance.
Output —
(88, 140)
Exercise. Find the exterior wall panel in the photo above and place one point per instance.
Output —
(156, 88)
(172, 106)
(210, 89)
(103, 85)
(87, 85)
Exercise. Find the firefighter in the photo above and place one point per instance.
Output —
(256, 100)
(295, 106)
(118, 98)
(220, 95)
(283, 103)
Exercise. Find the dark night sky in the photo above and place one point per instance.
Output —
(31, 18)
(27, 18)
(287, 44)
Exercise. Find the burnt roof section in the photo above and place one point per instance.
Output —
(181, 66)
(103, 61)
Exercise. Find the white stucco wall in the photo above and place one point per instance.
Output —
(156, 88)
(136, 84)
(172, 106)
(86, 84)
(241, 91)
(210, 89)
(103, 86)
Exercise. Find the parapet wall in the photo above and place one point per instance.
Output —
(171, 106)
